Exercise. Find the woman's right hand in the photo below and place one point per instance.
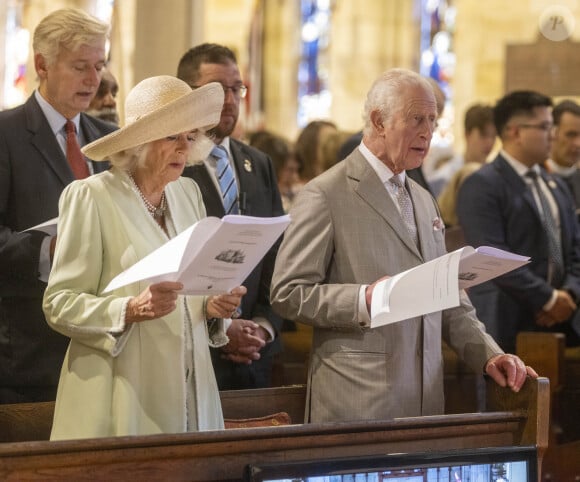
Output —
(155, 301)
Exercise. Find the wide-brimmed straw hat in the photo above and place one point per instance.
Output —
(159, 107)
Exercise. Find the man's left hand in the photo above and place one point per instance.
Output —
(509, 370)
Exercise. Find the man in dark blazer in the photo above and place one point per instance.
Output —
(499, 205)
(565, 154)
(246, 362)
(33, 172)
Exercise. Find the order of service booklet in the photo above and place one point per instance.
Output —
(210, 257)
(435, 285)
(48, 227)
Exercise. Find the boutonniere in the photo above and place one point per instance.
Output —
(247, 165)
(438, 224)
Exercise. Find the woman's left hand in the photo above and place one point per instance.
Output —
(225, 305)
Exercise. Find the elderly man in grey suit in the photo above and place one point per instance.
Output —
(353, 225)
(69, 55)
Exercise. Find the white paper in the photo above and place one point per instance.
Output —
(210, 257)
(48, 227)
(435, 285)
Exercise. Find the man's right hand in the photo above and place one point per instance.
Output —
(369, 292)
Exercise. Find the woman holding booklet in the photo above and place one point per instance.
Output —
(138, 360)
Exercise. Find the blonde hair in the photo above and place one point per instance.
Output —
(69, 28)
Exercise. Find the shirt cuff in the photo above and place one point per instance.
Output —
(364, 317)
(264, 323)
(551, 302)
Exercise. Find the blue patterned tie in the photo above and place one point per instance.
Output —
(226, 180)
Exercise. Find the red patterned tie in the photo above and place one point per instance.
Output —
(75, 157)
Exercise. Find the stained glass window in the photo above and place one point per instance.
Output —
(438, 59)
(15, 44)
(314, 97)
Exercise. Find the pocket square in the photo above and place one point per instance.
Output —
(438, 224)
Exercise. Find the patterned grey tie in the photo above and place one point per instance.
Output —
(406, 206)
(556, 260)
(226, 180)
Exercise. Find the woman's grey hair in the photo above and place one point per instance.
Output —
(69, 28)
(385, 94)
(130, 159)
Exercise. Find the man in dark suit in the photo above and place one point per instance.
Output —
(514, 204)
(69, 53)
(565, 154)
(246, 362)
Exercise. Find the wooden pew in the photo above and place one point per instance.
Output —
(514, 419)
(26, 422)
(547, 354)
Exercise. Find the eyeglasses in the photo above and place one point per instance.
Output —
(544, 126)
(239, 90)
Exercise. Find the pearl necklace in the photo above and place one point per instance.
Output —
(157, 212)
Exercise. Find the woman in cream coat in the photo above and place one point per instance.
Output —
(138, 360)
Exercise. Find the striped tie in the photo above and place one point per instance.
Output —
(226, 180)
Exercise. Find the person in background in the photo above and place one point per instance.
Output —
(354, 224)
(104, 104)
(308, 147)
(138, 361)
(246, 361)
(286, 165)
(330, 147)
(513, 204)
(480, 134)
(39, 156)
(565, 152)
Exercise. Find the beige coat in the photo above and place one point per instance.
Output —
(134, 383)
(346, 231)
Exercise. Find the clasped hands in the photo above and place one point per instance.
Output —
(562, 310)
(246, 340)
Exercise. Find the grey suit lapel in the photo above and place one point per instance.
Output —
(44, 140)
(368, 186)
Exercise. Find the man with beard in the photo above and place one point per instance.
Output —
(237, 179)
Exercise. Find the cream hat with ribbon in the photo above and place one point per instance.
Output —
(159, 107)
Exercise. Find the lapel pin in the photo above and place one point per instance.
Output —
(247, 165)
(552, 184)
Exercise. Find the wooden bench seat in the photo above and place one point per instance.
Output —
(514, 419)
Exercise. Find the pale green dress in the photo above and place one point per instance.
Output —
(155, 376)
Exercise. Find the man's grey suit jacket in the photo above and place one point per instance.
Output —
(346, 231)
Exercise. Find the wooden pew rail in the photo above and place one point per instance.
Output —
(513, 419)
